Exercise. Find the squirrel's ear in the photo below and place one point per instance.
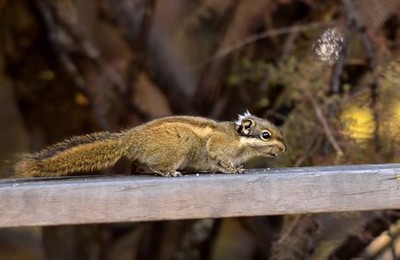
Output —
(244, 126)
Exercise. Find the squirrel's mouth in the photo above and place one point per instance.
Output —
(272, 154)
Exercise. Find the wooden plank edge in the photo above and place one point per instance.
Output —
(78, 200)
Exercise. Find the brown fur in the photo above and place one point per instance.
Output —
(165, 145)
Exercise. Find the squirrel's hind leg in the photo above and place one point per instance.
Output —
(172, 173)
(165, 162)
(166, 168)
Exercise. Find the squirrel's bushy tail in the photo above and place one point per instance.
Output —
(78, 154)
(25, 167)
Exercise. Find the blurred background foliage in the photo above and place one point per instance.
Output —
(70, 67)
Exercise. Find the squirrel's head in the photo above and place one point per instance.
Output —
(260, 134)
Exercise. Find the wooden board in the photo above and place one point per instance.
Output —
(76, 200)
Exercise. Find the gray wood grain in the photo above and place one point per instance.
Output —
(77, 200)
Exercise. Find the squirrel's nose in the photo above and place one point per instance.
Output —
(282, 148)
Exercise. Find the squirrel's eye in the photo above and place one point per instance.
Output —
(265, 135)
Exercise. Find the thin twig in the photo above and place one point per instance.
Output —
(338, 68)
(288, 46)
(324, 123)
(292, 227)
(335, 79)
(310, 150)
(254, 38)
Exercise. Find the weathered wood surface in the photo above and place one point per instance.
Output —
(140, 198)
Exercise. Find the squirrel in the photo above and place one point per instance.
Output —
(164, 145)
